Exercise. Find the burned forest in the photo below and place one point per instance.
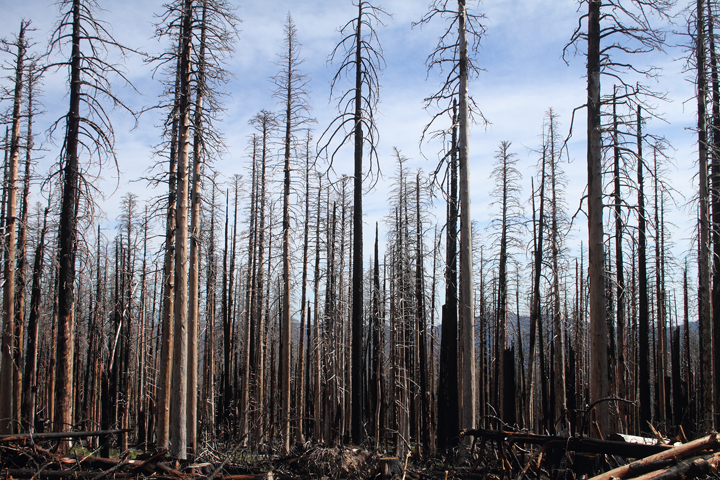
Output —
(453, 239)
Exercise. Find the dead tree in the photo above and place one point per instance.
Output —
(626, 29)
(265, 122)
(291, 92)
(195, 185)
(34, 77)
(704, 273)
(714, 179)
(619, 264)
(360, 57)
(88, 131)
(447, 394)
(461, 39)
(303, 358)
(535, 314)
(9, 406)
(506, 195)
(31, 354)
(556, 228)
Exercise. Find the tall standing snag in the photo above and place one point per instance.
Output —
(9, 408)
(704, 273)
(453, 53)
(291, 92)
(88, 131)
(606, 20)
(362, 58)
(506, 195)
(178, 406)
(29, 378)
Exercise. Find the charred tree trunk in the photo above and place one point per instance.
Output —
(715, 200)
(31, 355)
(643, 309)
(13, 333)
(357, 259)
(22, 263)
(424, 410)
(704, 300)
(619, 267)
(67, 237)
(302, 360)
(535, 316)
(318, 431)
(448, 412)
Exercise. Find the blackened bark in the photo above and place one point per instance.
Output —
(643, 310)
(357, 259)
(448, 412)
(67, 237)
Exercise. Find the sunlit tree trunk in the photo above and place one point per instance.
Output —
(12, 346)
(179, 404)
(194, 267)
(164, 390)
(599, 387)
(465, 298)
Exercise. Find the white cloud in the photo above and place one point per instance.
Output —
(524, 76)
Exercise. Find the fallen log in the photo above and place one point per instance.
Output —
(26, 473)
(684, 470)
(573, 444)
(167, 469)
(674, 454)
(110, 471)
(57, 435)
(93, 463)
(146, 465)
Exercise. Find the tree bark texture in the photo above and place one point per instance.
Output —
(599, 387)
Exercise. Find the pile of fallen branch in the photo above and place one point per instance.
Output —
(690, 460)
(515, 454)
(32, 457)
(493, 455)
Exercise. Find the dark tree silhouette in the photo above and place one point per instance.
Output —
(361, 57)
(88, 133)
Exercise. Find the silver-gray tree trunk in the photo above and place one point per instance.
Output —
(194, 280)
(599, 385)
(467, 332)
(178, 406)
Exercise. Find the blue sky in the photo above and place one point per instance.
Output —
(523, 76)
